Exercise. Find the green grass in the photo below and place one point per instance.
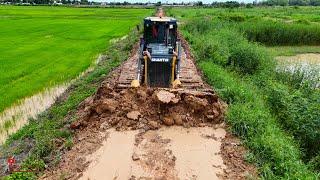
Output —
(44, 46)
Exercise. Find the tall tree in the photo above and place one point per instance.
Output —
(315, 2)
(84, 2)
(199, 3)
(278, 2)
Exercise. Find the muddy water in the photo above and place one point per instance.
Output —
(15, 117)
(309, 58)
(175, 152)
(197, 151)
(111, 161)
(304, 61)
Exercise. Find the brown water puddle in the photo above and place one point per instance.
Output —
(197, 151)
(112, 160)
(170, 153)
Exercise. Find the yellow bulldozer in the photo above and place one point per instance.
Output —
(159, 54)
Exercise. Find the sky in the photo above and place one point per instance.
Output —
(171, 1)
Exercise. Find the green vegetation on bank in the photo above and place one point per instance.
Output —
(281, 33)
(42, 46)
(49, 132)
(275, 113)
(272, 150)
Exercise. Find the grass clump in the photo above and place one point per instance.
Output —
(248, 58)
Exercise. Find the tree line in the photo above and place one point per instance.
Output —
(228, 4)
(292, 2)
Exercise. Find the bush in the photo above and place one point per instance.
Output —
(246, 57)
(233, 17)
(211, 50)
(199, 26)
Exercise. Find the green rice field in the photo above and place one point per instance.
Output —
(45, 46)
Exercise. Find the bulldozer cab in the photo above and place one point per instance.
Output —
(159, 52)
(160, 30)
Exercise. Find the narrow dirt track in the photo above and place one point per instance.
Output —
(167, 153)
(150, 133)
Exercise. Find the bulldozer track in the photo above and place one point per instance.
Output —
(189, 75)
(128, 72)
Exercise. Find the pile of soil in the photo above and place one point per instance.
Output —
(149, 109)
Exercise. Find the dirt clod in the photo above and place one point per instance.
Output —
(134, 115)
(135, 157)
(177, 119)
(166, 97)
(154, 125)
(168, 121)
(106, 105)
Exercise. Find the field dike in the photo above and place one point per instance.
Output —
(151, 133)
(15, 117)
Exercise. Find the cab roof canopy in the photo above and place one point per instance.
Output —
(151, 20)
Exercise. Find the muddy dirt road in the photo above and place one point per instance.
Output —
(167, 153)
(150, 133)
